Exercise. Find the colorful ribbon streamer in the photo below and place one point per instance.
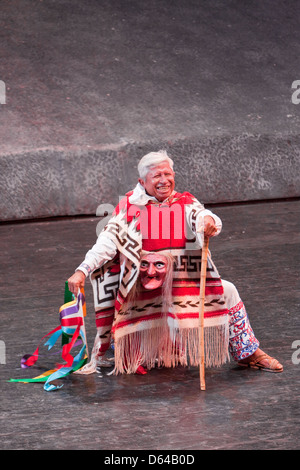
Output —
(72, 332)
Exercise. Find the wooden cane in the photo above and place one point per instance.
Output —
(201, 312)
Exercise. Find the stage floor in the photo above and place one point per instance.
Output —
(258, 250)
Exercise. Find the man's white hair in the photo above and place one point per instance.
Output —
(151, 160)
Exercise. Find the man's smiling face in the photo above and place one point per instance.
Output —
(159, 181)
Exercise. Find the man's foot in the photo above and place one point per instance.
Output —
(260, 360)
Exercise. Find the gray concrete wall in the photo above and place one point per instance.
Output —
(90, 87)
(242, 168)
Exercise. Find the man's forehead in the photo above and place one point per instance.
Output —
(164, 166)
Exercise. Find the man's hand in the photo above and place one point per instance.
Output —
(210, 228)
(76, 281)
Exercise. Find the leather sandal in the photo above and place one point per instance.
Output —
(273, 364)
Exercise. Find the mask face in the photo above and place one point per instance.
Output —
(153, 270)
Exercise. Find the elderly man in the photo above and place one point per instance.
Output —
(156, 218)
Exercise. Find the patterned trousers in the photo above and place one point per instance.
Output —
(242, 341)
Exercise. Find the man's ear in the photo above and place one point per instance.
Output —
(142, 182)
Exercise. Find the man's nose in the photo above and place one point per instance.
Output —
(163, 179)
